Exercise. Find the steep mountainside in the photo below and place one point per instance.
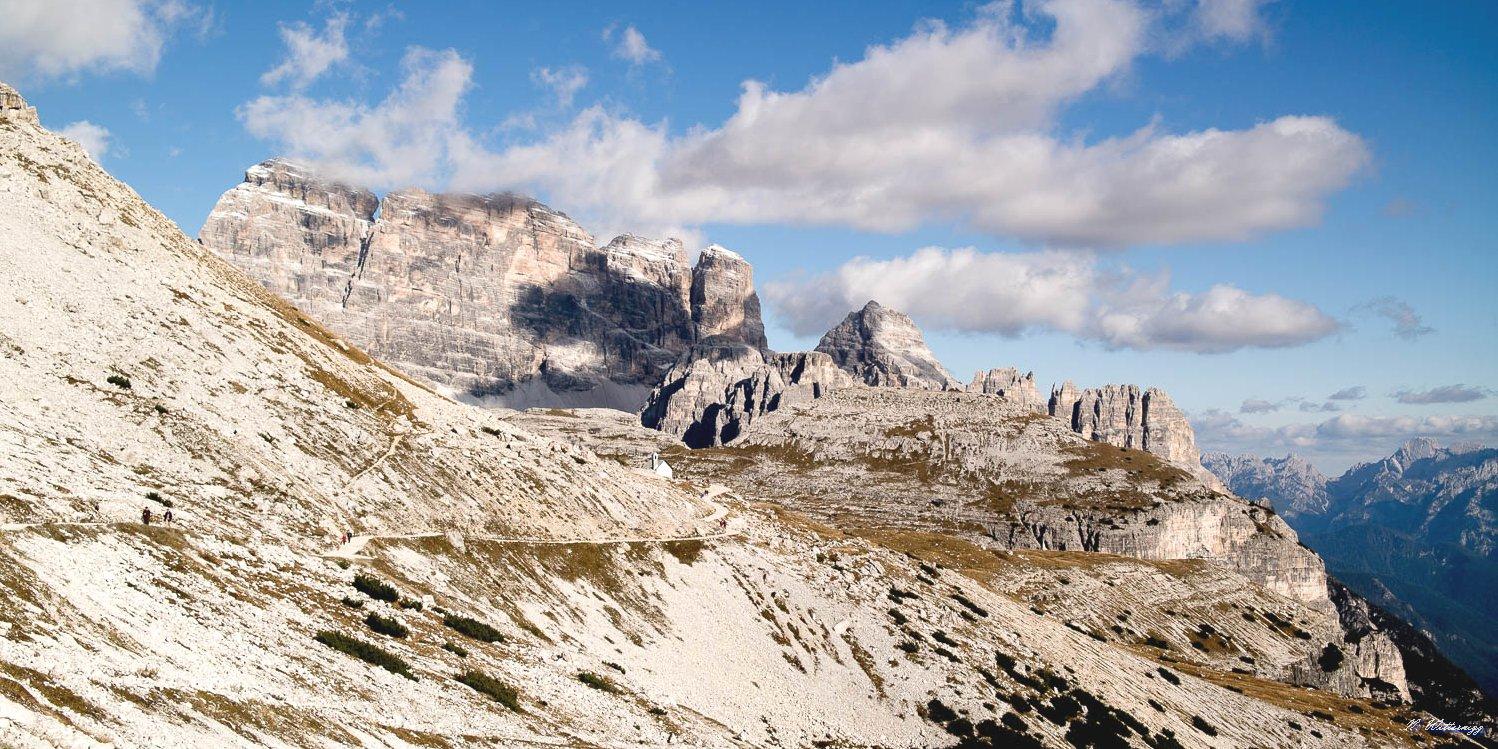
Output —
(495, 298)
(507, 588)
(1295, 486)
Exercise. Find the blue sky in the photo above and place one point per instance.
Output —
(1240, 202)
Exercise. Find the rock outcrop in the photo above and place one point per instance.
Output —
(713, 393)
(1294, 486)
(1123, 416)
(1010, 385)
(725, 307)
(882, 347)
(497, 299)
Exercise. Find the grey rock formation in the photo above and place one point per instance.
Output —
(1122, 416)
(498, 299)
(880, 346)
(1294, 486)
(724, 305)
(13, 107)
(1008, 384)
(715, 391)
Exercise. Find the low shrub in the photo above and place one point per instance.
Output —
(158, 499)
(599, 682)
(497, 690)
(366, 652)
(472, 628)
(614, 666)
(1202, 725)
(122, 383)
(457, 650)
(410, 603)
(376, 588)
(386, 626)
(1169, 675)
(353, 603)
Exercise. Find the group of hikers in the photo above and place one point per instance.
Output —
(145, 515)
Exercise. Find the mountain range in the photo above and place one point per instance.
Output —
(357, 556)
(1413, 532)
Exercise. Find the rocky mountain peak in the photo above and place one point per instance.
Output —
(883, 347)
(1009, 384)
(1125, 416)
(1294, 486)
(498, 299)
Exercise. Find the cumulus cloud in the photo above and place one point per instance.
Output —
(409, 138)
(950, 124)
(563, 83)
(93, 138)
(1354, 393)
(955, 124)
(1072, 292)
(1445, 394)
(630, 45)
(65, 38)
(309, 53)
(1407, 323)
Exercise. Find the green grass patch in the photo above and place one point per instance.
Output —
(366, 652)
(495, 689)
(472, 628)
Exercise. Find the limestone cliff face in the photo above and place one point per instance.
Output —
(882, 347)
(496, 298)
(1123, 416)
(1010, 385)
(724, 305)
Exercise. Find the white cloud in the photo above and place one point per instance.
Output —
(407, 139)
(1073, 292)
(1237, 20)
(1445, 394)
(65, 38)
(631, 45)
(93, 138)
(949, 124)
(564, 83)
(1407, 323)
(309, 54)
(1340, 440)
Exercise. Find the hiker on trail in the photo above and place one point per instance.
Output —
(145, 515)
(723, 524)
(167, 515)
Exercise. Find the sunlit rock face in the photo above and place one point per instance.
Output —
(882, 347)
(497, 299)
(1123, 416)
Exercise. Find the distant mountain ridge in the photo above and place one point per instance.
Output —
(1414, 532)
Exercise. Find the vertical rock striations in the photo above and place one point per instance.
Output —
(883, 347)
(724, 305)
(496, 298)
(1007, 383)
(1123, 416)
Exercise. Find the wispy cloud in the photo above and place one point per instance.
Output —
(1340, 440)
(1354, 393)
(1458, 393)
(1407, 323)
(563, 83)
(309, 53)
(630, 45)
